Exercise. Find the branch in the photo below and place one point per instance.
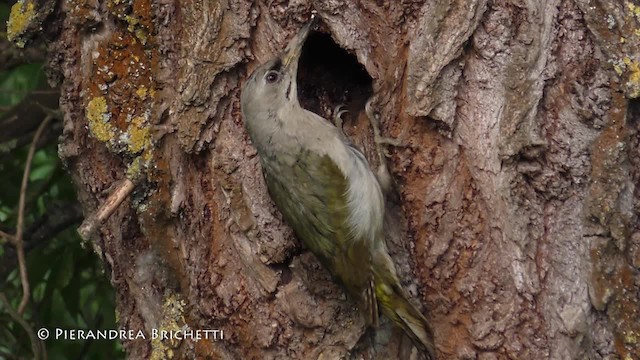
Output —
(57, 218)
(8, 236)
(91, 223)
(23, 118)
(19, 244)
(36, 344)
(11, 56)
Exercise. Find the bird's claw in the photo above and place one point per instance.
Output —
(382, 146)
(382, 142)
(338, 111)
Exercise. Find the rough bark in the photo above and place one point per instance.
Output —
(515, 219)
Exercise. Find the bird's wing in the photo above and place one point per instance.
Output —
(311, 194)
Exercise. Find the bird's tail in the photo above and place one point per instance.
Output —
(395, 305)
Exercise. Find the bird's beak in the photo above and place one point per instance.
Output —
(294, 49)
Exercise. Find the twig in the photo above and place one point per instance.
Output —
(91, 223)
(36, 344)
(26, 291)
(9, 237)
(57, 218)
(54, 113)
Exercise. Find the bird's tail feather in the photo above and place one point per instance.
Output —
(396, 307)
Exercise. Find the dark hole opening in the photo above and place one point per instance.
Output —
(634, 111)
(329, 76)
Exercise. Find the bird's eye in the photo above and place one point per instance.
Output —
(272, 76)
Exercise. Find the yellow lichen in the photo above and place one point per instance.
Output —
(135, 28)
(132, 21)
(618, 69)
(98, 118)
(141, 35)
(635, 73)
(139, 135)
(22, 13)
(134, 169)
(631, 338)
(147, 156)
(172, 320)
(634, 79)
(634, 9)
(142, 92)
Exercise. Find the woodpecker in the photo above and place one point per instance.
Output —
(326, 191)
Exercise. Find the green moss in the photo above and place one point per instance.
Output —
(22, 13)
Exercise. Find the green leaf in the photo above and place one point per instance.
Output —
(42, 207)
(86, 294)
(16, 84)
(64, 271)
(38, 291)
(54, 191)
(58, 306)
(42, 172)
(4, 213)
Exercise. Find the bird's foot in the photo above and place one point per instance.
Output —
(338, 112)
(382, 146)
(385, 141)
(382, 142)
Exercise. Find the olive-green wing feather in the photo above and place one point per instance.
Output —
(311, 194)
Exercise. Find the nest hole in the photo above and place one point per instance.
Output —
(329, 76)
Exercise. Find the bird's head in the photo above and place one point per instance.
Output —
(273, 84)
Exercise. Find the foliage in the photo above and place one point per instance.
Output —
(69, 289)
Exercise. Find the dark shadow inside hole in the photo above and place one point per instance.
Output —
(634, 111)
(329, 76)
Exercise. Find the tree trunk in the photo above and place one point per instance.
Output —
(514, 209)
